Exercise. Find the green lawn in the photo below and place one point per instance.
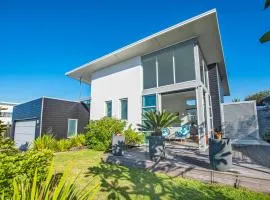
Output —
(117, 182)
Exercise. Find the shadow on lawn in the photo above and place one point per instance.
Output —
(129, 183)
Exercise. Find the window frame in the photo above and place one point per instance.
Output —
(76, 133)
(154, 107)
(106, 108)
(173, 48)
(123, 99)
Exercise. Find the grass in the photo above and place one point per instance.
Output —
(118, 182)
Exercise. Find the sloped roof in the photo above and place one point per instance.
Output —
(204, 27)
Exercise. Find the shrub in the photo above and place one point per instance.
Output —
(7, 146)
(44, 142)
(99, 132)
(132, 137)
(21, 165)
(63, 145)
(78, 141)
(53, 187)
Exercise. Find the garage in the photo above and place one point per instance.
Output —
(24, 132)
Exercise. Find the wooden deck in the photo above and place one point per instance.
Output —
(192, 163)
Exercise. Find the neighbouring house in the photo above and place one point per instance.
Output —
(6, 115)
(61, 118)
(180, 69)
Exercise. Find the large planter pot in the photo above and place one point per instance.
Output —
(156, 147)
(220, 154)
(118, 145)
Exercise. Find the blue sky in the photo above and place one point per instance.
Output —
(41, 40)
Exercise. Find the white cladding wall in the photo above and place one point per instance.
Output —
(123, 80)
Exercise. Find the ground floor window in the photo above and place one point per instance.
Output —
(149, 103)
(124, 108)
(108, 109)
(72, 127)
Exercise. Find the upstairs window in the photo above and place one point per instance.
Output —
(149, 72)
(184, 63)
(168, 66)
(165, 68)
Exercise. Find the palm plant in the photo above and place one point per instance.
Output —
(266, 36)
(155, 121)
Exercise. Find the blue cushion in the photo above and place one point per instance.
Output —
(183, 131)
(165, 132)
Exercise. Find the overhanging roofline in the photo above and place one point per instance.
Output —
(152, 43)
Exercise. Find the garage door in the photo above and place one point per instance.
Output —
(24, 132)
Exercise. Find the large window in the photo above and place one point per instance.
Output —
(149, 72)
(203, 70)
(108, 111)
(168, 66)
(165, 68)
(72, 127)
(184, 63)
(124, 108)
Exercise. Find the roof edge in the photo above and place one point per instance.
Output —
(212, 11)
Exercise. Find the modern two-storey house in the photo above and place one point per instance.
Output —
(180, 69)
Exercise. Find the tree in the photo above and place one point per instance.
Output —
(235, 100)
(155, 121)
(3, 127)
(258, 97)
(266, 36)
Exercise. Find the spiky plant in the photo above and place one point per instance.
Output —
(154, 121)
(46, 141)
(78, 141)
(52, 188)
(63, 145)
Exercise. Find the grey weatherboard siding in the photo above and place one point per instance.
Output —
(215, 95)
(56, 114)
(52, 115)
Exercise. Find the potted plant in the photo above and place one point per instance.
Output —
(220, 152)
(154, 122)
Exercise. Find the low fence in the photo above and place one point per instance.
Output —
(227, 178)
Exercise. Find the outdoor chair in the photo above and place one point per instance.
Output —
(183, 132)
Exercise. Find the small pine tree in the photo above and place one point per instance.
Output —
(3, 127)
